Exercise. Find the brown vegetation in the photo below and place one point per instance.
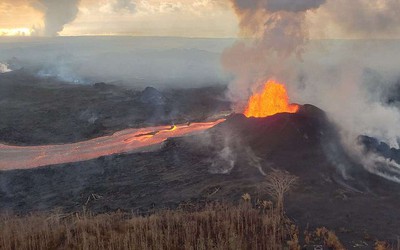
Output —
(213, 227)
(277, 184)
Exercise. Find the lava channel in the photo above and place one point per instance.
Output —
(125, 141)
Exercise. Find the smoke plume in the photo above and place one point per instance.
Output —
(363, 18)
(57, 13)
(351, 80)
(273, 31)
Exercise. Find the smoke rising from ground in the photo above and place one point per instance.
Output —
(57, 13)
(4, 68)
(137, 62)
(351, 82)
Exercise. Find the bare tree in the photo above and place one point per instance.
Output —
(277, 184)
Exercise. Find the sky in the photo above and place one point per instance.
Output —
(187, 18)
(335, 19)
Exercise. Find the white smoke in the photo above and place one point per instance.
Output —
(63, 70)
(57, 13)
(4, 68)
(135, 61)
(376, 164)
(224, 162)
(348, 82)
(351, 81)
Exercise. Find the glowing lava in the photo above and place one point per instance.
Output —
(129, 140)
(272, 100)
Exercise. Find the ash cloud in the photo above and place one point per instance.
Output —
(57, 13)
(277, 5)
(277, 31)
(365, 18)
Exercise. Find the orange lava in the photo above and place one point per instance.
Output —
(129, 140)
(272, 100)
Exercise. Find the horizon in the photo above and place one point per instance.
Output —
(180, 37)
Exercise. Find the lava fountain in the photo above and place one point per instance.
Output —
(273, 99)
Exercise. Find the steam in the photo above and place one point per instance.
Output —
(377, 164)
(63, 70)
(277, 31)
(224, 162)
(4, 68)
(253, 160)
(351, 82)
(134, 61)
(57, 13)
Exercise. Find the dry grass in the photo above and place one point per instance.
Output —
(383, 245)
(329, 237)
(213, 227)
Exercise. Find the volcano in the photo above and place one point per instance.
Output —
(221, 164)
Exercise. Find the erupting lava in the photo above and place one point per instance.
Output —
(129, 140)
(272, 100)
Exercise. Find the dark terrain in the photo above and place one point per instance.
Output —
(220, 164)
(35, 111)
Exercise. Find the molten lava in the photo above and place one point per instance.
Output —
(125, 141)
(272, 100)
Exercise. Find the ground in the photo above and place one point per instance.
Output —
(221, 164)
(36, 111)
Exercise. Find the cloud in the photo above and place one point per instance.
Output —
(125, 5)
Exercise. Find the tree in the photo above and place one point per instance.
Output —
(277, 184)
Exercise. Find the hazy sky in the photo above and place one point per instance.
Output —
(198, 18)
(189, 18)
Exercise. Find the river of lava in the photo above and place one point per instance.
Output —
(273, 99)
(129, 140)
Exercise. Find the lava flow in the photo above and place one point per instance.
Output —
(129, 140)
(272, 100)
